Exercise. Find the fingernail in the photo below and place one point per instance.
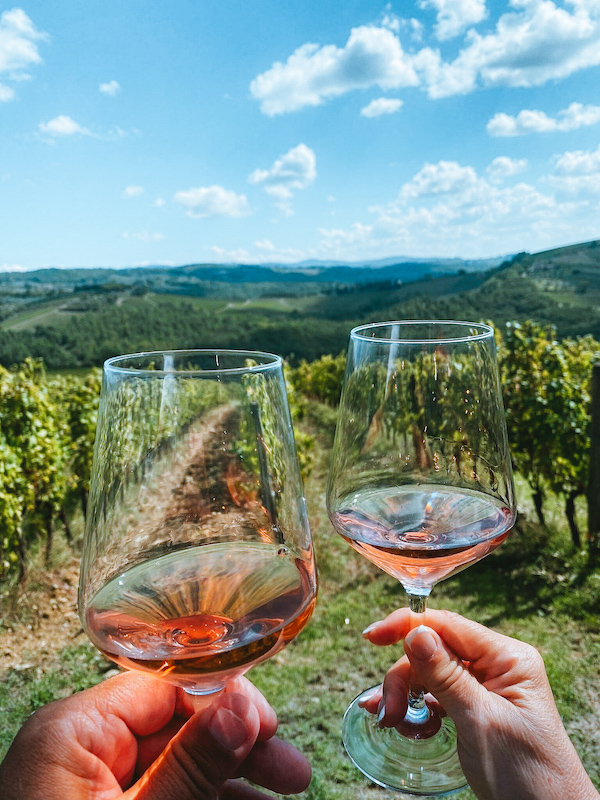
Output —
(368, 695)
(380, 712)
(371, 627)
(228, 729)
(421, 643)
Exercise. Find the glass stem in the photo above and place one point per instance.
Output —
(417, 707)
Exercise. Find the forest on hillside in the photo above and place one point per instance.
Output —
(71, 321)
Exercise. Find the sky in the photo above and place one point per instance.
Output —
(274, 131)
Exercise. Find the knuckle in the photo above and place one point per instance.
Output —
(193, 771)
(449, 677)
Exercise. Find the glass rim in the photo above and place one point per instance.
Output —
(271, 361)
(485, 331)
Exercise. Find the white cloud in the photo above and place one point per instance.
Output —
(133, 191)
(63, 126)
(372, 56)
(160, 263)
(159, 202)
(445, 177)
(12, 268)
(448, 208)
(577, 172)
(237, 256)
(380, 106)
(144, 236)
(505, 167)
(578, 162)
(265, 244)
(296, 169)
(212, 201)
(535, 42)
(454, 16)
(18, 35)
(6, 93)
(531, 45)
(18, 49)
(109, 88)
(267, 253)
(390, 20)
(272, 253)
(531, 121)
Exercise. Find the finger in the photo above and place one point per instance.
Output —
(268, 717)
(189, 704)
(392, 707)
(277, 766)
(434, 706)
(391, 629)
(370, 700)
(205, 753)
(143, 703)
(444, 674)
(151, 746)
(469, 640)
(237, 790)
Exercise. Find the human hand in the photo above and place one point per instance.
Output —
(511, 741)
(133, 737)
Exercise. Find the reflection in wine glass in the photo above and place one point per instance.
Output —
(197, 562)
(421, 484)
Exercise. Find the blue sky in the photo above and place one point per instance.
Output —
(137, 133)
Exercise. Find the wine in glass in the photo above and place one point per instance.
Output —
(197, 561)
(420, 484)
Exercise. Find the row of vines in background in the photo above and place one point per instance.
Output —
(546, 386)
(47, 429)
(47, 433)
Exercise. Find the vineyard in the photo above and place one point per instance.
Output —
(541, 585)
(47, 429)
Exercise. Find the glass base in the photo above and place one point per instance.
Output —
(413, 767)
(202, 692)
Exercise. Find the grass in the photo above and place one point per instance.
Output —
(531, 588)
(39, 314)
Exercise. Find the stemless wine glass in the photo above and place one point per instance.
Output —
(421, 484)
(197, 562)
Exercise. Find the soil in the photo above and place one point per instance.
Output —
(41, 620)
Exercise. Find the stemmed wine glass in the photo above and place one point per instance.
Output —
(421, 484)
(197, 562)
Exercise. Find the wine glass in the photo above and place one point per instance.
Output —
(197, 561)
(421, 484)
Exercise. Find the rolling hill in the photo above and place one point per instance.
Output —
(80, 317)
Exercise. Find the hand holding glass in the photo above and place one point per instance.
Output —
(197, 562)
(420, 484)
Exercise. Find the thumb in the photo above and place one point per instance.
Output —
(204, 754)
(443, 674)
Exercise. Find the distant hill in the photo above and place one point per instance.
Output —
(80, 317)
(560, 287)
(158, 278)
